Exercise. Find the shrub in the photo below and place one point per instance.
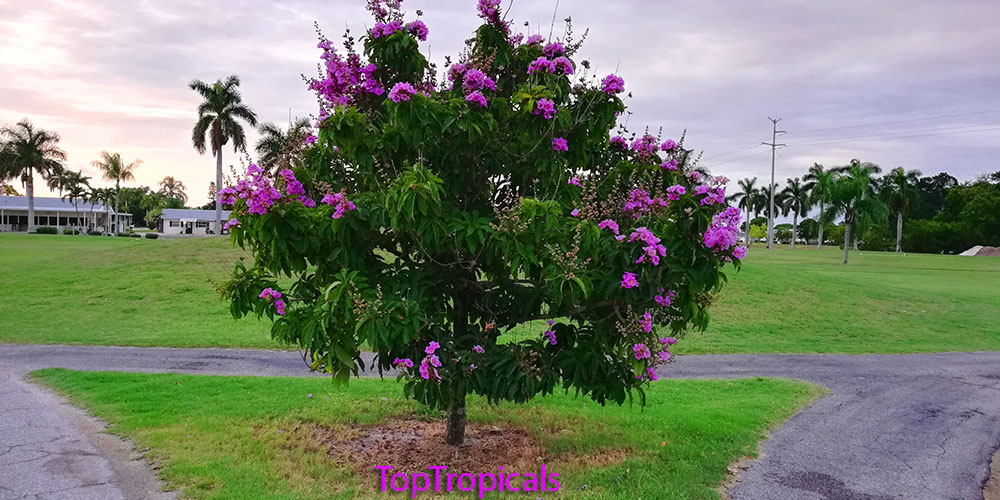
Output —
(46, 230)
(93, 233)
(449, 214)
(152, 236)
(70, 231)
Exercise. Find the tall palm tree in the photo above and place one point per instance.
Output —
(746, 200)
(853, 196)
(25, 151)
(104, 196)
(115, 169)
(819, 181)
(59, 178)
(173, 188)
(797, 199)
(77, 190)
(900, 193)
(218, 119)
(278, 149)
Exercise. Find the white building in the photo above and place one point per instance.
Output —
(188, 221)
(58, 213)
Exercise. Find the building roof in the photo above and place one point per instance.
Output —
(50, 205)
(187, 213)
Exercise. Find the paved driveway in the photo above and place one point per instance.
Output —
(913, 427)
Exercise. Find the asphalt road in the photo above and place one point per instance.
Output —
(913, 427)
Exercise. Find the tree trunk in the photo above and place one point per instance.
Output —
(899, 231)
(847, 239)
(795, 228)
(855, 242)
(454, 433)
(218, 199)
(29, 190)
(819, 244)
(118, 193)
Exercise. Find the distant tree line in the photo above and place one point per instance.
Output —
(900, 210)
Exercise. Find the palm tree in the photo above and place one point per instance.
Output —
(819, 181)
(746, 200)
(797, 199)
(77, 189)
(278, 149)
(105, 196)
(853, 196)
(59, 178)
(115, 169)
(25, 151)
(173, 188)
(218, 117)
(900, 193)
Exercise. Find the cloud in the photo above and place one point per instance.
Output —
(112, 75)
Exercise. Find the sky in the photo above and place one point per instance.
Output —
(907, 83)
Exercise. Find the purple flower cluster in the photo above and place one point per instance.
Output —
(490, 10)
(533, 39)
(403, 362)
(653, 249)
(609, 224)
(477, 80)
(664, 299)
(641, 351)
(553, 49)
(668, 145)
(311, 139)
(546, 108)
(551, 336)
(645, 146)
(629, 280)
(619, 141)
(345, 79)
(387, 29)
(559, 144)
(231, 223)
(476, 96)
(269, 294)
(401, 91)
(478, 349)
(724, 230)
(256, 189)
(640, 203)
(575, 212)
(669, 164)
(540, 64)
(340, 201)
(292, 185)
(740, 252)
(574, 181)
(418, 29)
(675, 192)
(711, 195)
(613, 84)
(455, 71)
(430, 363)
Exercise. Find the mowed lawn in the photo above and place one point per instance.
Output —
(119, 291)
(254, 438)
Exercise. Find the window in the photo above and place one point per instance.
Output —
(175, 223)
(62, 221)
(202, 223)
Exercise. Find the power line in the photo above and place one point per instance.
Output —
(900, 121)
(968, 129)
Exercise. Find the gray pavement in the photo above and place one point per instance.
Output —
(913, 427)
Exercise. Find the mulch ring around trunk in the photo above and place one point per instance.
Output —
(411, 445)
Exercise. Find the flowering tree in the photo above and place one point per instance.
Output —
(450, 212)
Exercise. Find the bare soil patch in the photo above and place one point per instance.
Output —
(989, 252)
(992, 489)
(411, 445)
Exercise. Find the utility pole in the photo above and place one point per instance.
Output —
(770, 213)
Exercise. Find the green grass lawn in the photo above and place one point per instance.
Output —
(247, 438)
(119, 291)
